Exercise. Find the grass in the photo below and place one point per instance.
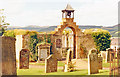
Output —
(59, 72)
(60, 63)
(39, 71)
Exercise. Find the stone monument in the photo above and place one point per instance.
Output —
(43, 51)
(7, 56)
(24, 59)
(93, 62)
(51, 64)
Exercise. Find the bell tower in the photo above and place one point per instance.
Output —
(68, 12)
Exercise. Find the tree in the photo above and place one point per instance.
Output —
(3, 24)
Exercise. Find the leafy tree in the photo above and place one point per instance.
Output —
(33, 47)
(101, 38)
(9, 33)
(3, 24)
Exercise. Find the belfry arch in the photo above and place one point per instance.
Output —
(67, 21)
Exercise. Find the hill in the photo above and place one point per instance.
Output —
(114, 30)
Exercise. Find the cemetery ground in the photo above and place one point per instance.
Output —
(81, 68)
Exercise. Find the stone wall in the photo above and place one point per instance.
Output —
(87, 43)
(22, 41)
(8, 57)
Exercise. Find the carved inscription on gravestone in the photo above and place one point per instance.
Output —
(43, 53)
(58, 43)
(24, 59)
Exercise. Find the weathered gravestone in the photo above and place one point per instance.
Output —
(7, 56)
(108, 55)
(93, 62)
(51, 64)
(68, 62)
(100, 60)
(43, 51)
(24, 59)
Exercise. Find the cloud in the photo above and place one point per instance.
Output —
(48, 12)
(100, 13)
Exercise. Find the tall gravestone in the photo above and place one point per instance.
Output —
(24, 59)
(93, 62)
(51, 64)
(108, 55)
(100, 60)
(7, 56)
(68, 61)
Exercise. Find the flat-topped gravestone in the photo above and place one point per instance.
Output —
(108, 55)
(93, 62)
(51, 64)
(24, 59)
(43, 51)
(7, 56)
(100, 60)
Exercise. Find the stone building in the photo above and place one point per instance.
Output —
(79, 37)
(115, 43)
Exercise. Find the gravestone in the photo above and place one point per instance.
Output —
(24, 59)
(51, 64)
(93, 62)
(68, 62)
(7, 56)
(100, 60)
(43, 51)
(108, 51)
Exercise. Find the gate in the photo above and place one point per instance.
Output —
(115, 63)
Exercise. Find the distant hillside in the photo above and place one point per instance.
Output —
(114, 30)
(48, 28)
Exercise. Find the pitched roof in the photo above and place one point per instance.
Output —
(68, 7)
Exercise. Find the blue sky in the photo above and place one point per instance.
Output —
(48, 12)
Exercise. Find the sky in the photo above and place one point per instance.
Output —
(48, 12)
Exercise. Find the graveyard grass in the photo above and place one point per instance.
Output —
(43, 63)
(37, 71)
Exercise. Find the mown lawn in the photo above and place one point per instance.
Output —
(37, 71)
(60, 63)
